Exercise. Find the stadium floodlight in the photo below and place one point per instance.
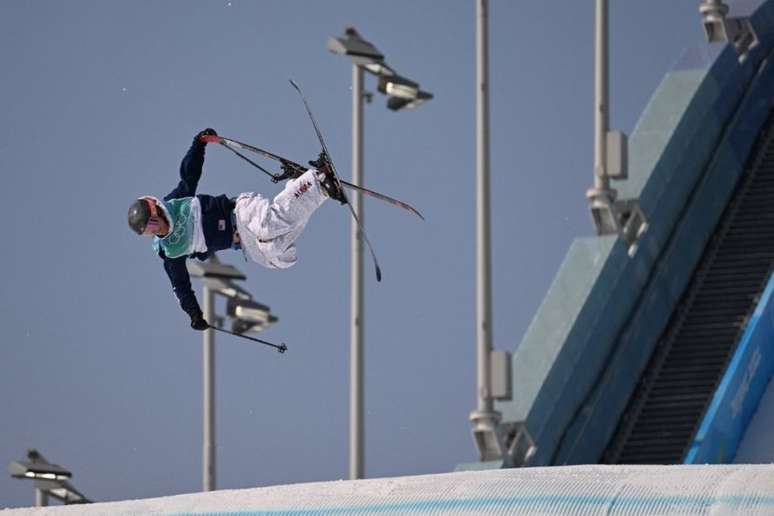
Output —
(397, 103)
(713, 12)
(379, 69)
(50, 479)
(402, 92)
(226, 288)
(37, 469)
(218, 277)
(397, 86)
(213, 269)
(362, 52)
(719, 27)
(249, 316)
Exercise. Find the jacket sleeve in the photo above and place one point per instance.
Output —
(181, 284)
(190, 172)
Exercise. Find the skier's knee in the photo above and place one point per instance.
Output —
(272, 248)
(278, 252)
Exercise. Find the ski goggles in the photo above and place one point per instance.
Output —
(154, 220)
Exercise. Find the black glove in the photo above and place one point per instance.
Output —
(206, 132)
(321, 163)
(198, 322)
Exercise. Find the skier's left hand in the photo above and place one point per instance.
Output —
(198, 322)
(206, 132)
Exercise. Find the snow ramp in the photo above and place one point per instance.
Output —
(567, 490)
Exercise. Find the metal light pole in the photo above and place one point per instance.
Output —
(41, 498)
(402, 93)
(602, 199)
(208, 366)
(601, 98)
(356, 393)
(609, 214)
(485, 419)
(483, 238)
(246, 315)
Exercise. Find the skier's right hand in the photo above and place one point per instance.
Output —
(205, 132)
(198, 322)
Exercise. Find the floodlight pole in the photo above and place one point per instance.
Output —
(208, 365)
(601, 98)
(41, 498)
(364, 56)
(485, 419)
(356, 390)
(483, 239)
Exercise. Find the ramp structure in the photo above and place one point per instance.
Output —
(578, 490)
(705, 329)
(658, 357)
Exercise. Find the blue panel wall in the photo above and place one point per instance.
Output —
(582, 354)
(741, 389)
(592, 427)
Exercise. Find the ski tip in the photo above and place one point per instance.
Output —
(294, 83)
(378, 274)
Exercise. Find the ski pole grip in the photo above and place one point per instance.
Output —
(210, 138)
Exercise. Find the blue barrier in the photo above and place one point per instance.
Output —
(740, 390)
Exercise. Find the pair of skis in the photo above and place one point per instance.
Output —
(291, 170)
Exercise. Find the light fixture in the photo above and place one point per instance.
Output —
(397, 86)
(361, 51)
(249, 315)
(397, 103)
(213, 269)
(402, 92)
(37, 468)
(379, 69)
(50, 479)
(719, 28)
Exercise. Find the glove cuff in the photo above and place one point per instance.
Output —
(195, 313)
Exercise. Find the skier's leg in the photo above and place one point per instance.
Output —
(277, 224)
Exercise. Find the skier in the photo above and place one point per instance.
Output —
(186, 224)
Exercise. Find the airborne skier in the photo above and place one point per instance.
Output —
(186, 224)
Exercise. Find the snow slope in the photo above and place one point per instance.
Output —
(609, 490)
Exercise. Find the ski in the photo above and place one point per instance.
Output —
(292, 170)
(386, 198)
(327, 156)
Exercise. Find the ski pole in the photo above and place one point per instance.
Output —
(281, 348)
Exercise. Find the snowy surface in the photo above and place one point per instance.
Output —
(757, 445)
(715, 489)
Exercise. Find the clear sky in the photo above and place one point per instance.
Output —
(99, 102)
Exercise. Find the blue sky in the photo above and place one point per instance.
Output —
(99, 101)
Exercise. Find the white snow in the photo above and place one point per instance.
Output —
(609, 490)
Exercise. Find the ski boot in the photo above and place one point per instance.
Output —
(328, 179)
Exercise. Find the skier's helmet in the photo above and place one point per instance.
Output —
(144, 214)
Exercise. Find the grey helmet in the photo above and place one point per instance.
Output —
(142, 211)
